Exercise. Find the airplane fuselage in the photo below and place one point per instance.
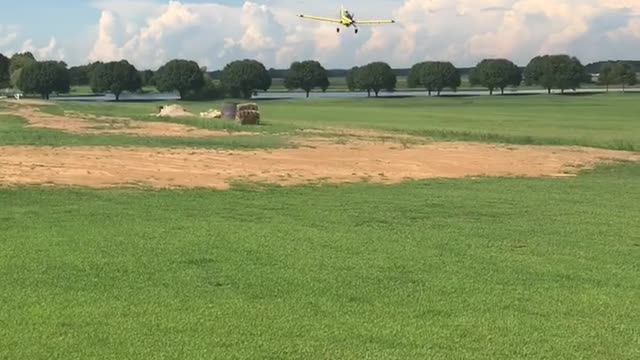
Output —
(347, 20)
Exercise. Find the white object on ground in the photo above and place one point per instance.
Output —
(173, 111)
(211, 114)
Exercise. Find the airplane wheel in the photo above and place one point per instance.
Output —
(356, 31)
(338, 30)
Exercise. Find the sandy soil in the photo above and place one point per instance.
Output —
(375, 162)
(34, 102)
(77, 123)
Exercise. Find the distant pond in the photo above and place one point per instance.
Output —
(318, 95)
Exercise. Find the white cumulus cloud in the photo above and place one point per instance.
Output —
(12, 41)
(149, 33)
(51, 51)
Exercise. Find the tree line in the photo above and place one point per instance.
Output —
(597, 67)
(243, 78)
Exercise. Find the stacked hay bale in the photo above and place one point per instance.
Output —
(248, 114)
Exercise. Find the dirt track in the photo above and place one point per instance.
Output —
(363, 158)
(84, 124)
(106, 167)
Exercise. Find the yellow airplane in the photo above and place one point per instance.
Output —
(348, 20)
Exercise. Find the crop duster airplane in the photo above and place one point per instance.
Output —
(348, 20)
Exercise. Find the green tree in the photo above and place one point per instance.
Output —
(182, 76)
(243, 77)
(147, 78)
(414, 79)
(209, 92)
(79, 75)
(435, 76)
(116, 77)
(306, 75)
(360, 78)
(568, 71)
(324, 84)
(624, 75)
(44, 78)
(375, 77)
(535, 74)
(556, 71)
(496, 74)
(18, 62)
(5, 75)
(15, 77)
(92, 67)
(351, 79)
(605, 77)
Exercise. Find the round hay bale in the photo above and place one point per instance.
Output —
(248, 117)
(248, 106)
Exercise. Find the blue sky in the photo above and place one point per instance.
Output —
(61, 18)
(52, 17)
(149, 32)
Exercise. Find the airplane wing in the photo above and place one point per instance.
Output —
(374, 22)
(335, 21)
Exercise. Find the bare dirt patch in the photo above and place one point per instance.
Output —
(85, 124)
(106, 167)
(34, 102)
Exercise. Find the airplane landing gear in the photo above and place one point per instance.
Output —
(338, 30)
(356, 31)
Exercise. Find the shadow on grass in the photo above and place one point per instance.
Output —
(515, 94)
(582, 93)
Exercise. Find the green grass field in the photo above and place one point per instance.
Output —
(607, 121)
(471, 269)
(489, 268)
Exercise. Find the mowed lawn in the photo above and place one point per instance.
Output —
(443, 269)
(466, 269)
(607, 121)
